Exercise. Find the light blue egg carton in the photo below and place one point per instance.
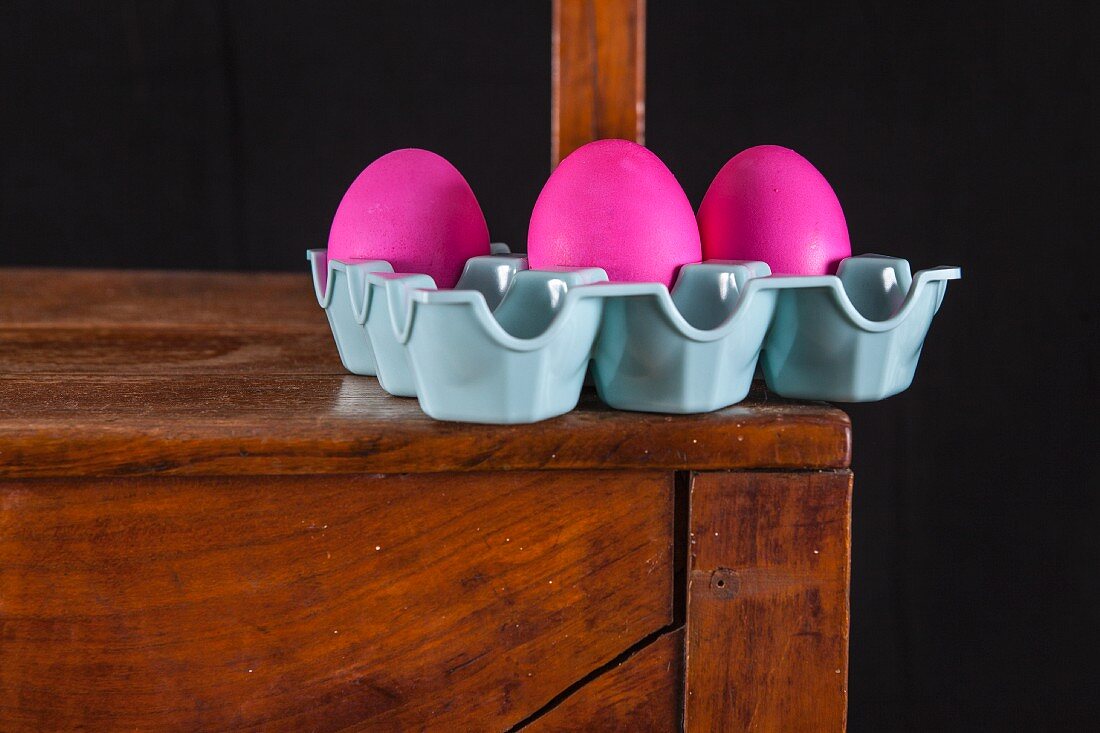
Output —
(512, 345)
(855, 336)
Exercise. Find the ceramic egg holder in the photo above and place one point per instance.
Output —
(512, 345)
(855, 336)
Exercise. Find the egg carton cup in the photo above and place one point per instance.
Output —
(522, 362)
(386, 307)
(855, 336)
(694, 349)
(361, 297)
(339, 290)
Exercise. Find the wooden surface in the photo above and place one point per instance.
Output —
(641, 694)
(143, 299)
(147, 373)
(320, 603)
(768, 585)
(598, 73)
(192, 487)
(158, 351)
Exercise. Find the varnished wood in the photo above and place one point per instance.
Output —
(255, 423)
(118, 299)
(767, 614)
(168, 350)
(598, 73)
(640, 695)
(160, 435)
(149, 372)
(460, 602)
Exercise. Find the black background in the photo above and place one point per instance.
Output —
(222, 135)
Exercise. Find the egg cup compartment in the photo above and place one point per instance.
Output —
(346, 291)
(386, 304)
(855, 336)
(339, 288)
(523, 362)
(692, 350)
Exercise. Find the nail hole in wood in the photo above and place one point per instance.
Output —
(724, 583)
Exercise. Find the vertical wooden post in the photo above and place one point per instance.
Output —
(598, 73)
(767, 603)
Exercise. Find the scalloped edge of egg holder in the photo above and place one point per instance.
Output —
(521, 363)
(385, 305)
(340, 288)
(694, 349)
(855, 336)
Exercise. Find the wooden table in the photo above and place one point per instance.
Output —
(206, 524)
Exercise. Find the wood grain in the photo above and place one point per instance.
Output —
(598, 73)
(767, 615)
(124, 373)
(72, 425)
(168, 350)
(377, 603)
(63, 298)
(640, 695)
(177, 450)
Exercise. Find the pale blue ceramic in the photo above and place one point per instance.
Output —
(521, 363)
(512, 345)
(386, 297)
(358, 296)
(692, 351)
(855, 336)
(334, 283)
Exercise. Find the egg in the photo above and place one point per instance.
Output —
(769, 203)
(613, 204)
(413, 209)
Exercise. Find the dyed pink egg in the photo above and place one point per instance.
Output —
(769, 203)
(613, 204)
(415, 210)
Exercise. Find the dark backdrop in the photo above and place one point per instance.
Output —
(222, 135)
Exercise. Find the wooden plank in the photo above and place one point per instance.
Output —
(598, 73)
(169, 350)
(62, 425)
(642, 695)
(461, 602)
(148, 372)
(57, 298)
(767, 615)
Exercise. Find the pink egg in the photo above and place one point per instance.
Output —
(769, 203)
(415, 210)
(613, 204)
